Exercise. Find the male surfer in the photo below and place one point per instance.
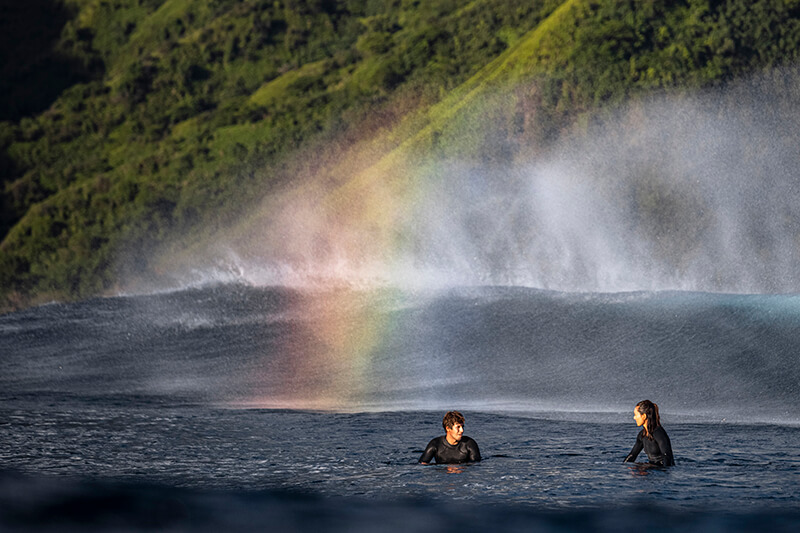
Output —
(453, 446)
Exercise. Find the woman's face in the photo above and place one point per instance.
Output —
(639, 417)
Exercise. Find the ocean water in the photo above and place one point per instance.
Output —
(239, 408)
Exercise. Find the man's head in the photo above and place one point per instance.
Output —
(453, 423)
(452, 417)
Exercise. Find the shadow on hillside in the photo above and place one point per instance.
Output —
(32, 72)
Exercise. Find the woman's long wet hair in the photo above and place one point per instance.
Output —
(646, 407)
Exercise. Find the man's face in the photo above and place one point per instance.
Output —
(454, 433)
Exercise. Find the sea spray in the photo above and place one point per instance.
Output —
(691, 191)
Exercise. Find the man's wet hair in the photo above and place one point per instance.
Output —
(452, 417)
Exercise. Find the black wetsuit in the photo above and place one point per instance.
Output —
(658, 450)
(464, 452)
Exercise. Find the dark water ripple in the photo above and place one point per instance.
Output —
(112, 413)
(529, 462)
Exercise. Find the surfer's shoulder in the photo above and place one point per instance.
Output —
(435, 441)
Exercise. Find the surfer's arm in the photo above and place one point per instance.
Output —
(662, 439)
(474, 452)
(637, 448)
(429, 453)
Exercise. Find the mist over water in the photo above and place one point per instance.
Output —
(625, 229)
(695, 192)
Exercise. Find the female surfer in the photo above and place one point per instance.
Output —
(652, 437)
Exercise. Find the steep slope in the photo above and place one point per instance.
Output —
(202, 108)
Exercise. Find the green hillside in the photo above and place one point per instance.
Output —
(170, 117)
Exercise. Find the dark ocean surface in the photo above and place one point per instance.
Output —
(239, 408)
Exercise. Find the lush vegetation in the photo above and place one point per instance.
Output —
(146, 119)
